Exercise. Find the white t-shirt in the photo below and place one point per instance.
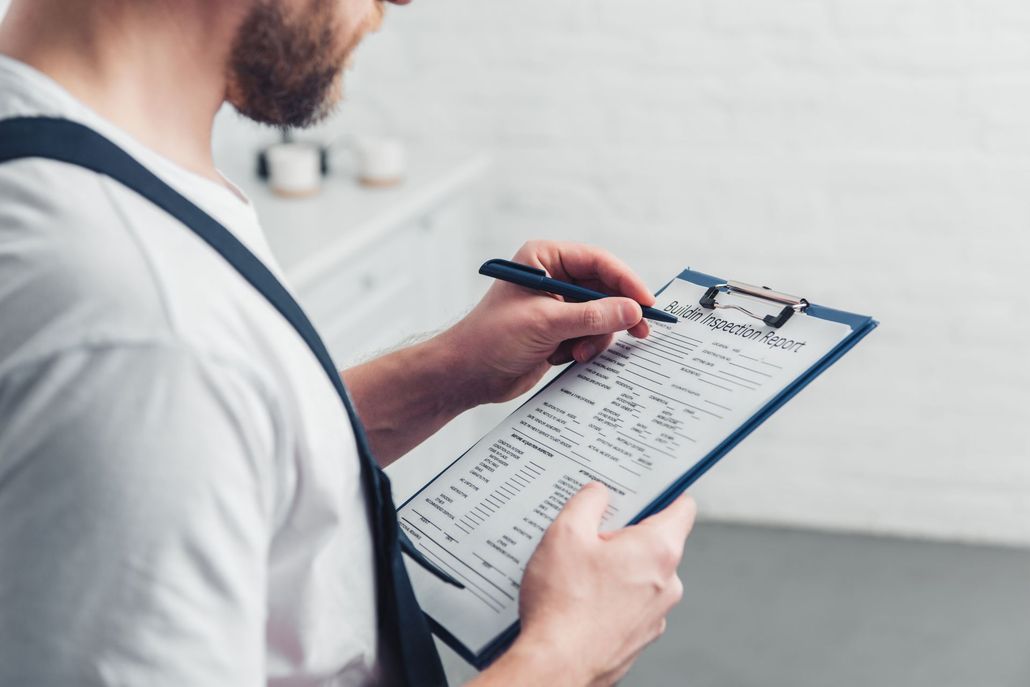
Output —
(180, 494)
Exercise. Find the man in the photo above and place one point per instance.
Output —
(181, 495)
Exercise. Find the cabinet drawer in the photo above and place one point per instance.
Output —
(359, 277)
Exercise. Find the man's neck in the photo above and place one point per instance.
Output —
(154, 69)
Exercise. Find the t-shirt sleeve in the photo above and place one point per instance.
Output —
(136, 500)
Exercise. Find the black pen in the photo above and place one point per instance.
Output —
(533, 278)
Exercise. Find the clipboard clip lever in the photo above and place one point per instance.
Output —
(791, 304)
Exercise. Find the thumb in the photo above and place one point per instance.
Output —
(676, 519)
(583, 512)
(604, 316)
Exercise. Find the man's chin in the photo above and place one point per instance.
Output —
(308, 89)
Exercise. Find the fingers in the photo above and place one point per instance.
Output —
(583, 512)
(676, 519)
(641, 329)
(664, 534)
(586, 349)
(581, 350)
(562, 354)
(582, 263)
(564, 321)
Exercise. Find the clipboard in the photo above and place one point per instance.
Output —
(774, 309)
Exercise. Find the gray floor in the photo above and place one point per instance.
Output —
(770, 607)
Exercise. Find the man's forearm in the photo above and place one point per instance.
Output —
(405, 396)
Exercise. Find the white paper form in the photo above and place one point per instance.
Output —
(636, 418)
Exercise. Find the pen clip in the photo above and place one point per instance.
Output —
(497, 266)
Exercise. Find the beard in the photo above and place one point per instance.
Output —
(287, 71)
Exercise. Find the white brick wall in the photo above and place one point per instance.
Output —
(871, 154)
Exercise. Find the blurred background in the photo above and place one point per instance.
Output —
(871, 155)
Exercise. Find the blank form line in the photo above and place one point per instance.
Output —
(678, 340)
(689, 405)
(586, 465)
(712, 374)
(657, 355)
(719, 405)
(490, 566)
(617, 353)
(470, 586)
(724, 388)
(425, 519)
(745, 379)
(644, 367)
(676, 345)
(666, 348)
(746, 387)
(684, 336)
(771, 365)
(692, 439)
(582, 456)
(647, 446)
(639, 352)
(631, 372)
(632, 472)
(449, 553)
(529, 471)
(757, 372)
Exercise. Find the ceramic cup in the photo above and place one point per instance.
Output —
(380, 161)
(294, 169)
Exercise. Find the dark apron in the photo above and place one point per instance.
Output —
(406, 650)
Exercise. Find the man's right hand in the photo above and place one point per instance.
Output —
(590, 601)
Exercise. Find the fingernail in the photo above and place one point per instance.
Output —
(630, 313)
(587, 351)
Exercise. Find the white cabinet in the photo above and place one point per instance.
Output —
(375, 268)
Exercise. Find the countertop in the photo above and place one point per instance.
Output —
(310, 235)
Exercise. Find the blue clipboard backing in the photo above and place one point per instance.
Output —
(861, 326)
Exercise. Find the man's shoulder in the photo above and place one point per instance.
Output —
(67, 263)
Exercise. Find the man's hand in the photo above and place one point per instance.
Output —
(500, 350)
(590, 602)
(515, 334)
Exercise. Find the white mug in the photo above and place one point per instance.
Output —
(294, 169)
(381, 161)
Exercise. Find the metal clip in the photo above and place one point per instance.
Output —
(791, 304)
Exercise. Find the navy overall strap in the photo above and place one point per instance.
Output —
(406, 646)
